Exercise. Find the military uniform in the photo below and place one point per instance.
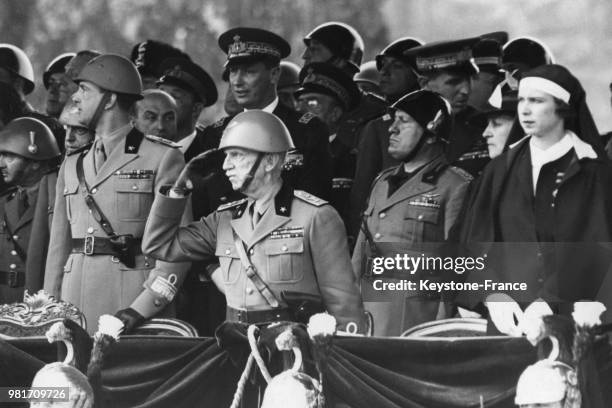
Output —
(123, 189)
(24, 238)
(418, 216)
(298, 245)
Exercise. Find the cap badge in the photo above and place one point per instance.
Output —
(32, 148)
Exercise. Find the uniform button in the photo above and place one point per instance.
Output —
(134, 187)
(249, 291)
(12, 266)
(13, 252)
(251, 251)
(15, 237)
(65, 191)
(90, 230)
(157, 302)
(284, 248)
(227, 252)
(377, 235)
(94, 190)
(146, 264)
(223, 199)
(420, 217)
(540, 280)
(382, 215)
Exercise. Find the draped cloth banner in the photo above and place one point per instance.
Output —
(148, 372)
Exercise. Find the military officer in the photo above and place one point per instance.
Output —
(368, 78)
(410, 210)
(447, 67)
(275, 241)
(397, 78)
(253, 66)
(328, 92)
(103, 198)
(77, 135)
(193, 89)
(28, 160)
(341, 45)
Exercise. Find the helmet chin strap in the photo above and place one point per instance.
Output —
(249, 177)
(93, 122)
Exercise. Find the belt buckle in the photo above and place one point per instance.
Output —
(88, 245)
(12, 279)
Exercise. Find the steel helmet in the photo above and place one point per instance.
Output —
(289, 75)
(16, 61)
(341, 39)
(368, 73)
(58, 65)
(396, 49)
(30, 138)
(257, 130)
(113, 73)
(526, 53)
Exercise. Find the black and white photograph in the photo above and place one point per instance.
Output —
(305, 203)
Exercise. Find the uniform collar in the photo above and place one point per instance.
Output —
(282, 201)
(111, 140)
(270, 108)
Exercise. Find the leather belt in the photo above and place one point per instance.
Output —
(97, 246)
(258, 316)
(13, 279)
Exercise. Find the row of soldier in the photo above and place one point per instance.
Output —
(132, 125)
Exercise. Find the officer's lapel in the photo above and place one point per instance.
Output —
(242, 226)
(268, 223)
(26, 217)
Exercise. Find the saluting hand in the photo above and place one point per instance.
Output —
(199, 169)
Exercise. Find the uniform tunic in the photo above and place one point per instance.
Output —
(123, 189)
(417, 217)
(29, 235)
(300, 247)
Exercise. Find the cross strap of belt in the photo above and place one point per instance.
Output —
(20, 252)
(368, 235)
(251, 273)
(96, 212)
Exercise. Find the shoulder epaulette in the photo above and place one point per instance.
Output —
(161, 140)
(80, 149)
(432, 175)
(461, 172)
(200, 127)
(383, 173)
(233, 204)
(309, 198)
(306, 117)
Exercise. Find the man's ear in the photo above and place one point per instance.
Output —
(275, 75)
(196, 110)
(112, 101)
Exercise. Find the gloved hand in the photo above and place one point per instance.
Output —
(130, 318)
(505, 313)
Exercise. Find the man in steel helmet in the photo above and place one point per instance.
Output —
(275, 241)
(28, 161)
(104, 194)
(53, 80)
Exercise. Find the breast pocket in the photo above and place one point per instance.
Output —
(134, 198)
(70, 195)
(422, 224)
(285, 260)
(229, 261)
